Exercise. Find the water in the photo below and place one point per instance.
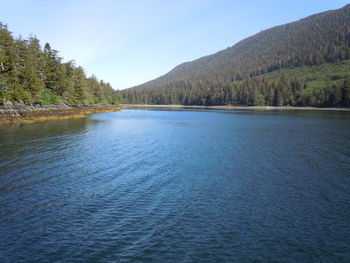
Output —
(177, 186)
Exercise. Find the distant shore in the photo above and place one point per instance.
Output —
(29, 114)
(230, 107)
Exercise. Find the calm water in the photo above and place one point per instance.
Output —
(177, 186)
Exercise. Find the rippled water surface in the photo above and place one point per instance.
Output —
(177, 186)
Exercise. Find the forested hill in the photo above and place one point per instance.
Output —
(30, 74)
(234, 75)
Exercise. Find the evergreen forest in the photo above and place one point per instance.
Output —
(35, 75)
(303, 63)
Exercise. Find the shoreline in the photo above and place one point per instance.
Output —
(31, 114)
(230, 107)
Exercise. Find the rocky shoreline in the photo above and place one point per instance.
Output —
(29, 113)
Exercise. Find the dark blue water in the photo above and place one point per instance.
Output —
(177, 186)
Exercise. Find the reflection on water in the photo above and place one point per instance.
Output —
(177, 186)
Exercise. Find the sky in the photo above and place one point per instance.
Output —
(127, 43)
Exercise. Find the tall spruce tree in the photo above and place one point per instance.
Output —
(34, 75)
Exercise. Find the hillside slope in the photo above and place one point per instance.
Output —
(315, 40)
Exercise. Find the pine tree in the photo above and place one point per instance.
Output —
(345, 90)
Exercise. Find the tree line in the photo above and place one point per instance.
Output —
(294, 87)
(241, 74)
(31, 74)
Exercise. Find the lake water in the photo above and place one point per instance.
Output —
(177, 186)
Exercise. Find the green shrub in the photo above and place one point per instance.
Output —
(49, 98)
(18, 94)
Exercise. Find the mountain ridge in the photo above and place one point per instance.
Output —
(243, 42)
(314, 40)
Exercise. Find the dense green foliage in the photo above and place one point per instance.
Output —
(292, 64)
(323, 85)
(31, 74)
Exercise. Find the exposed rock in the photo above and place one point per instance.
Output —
(30, 113)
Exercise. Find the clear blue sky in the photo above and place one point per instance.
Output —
(130, 42)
